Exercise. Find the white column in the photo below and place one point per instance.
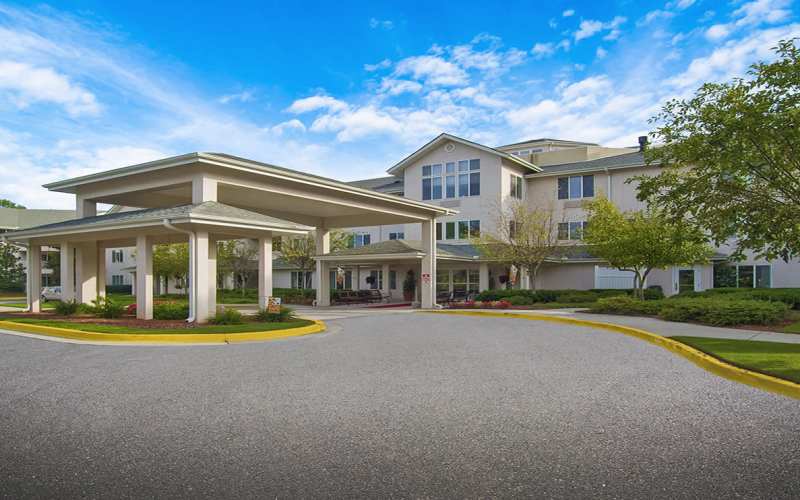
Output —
(385, 273)
(86, 272)
(428, 277)
(101, 270)
(67, 272)
(203, 189)
(358, 279)
(34, 287)
(85, 208)
(483, 276)
(322, 237)
(144, 277)
(200, 286)
(264, 269)
(212, 277)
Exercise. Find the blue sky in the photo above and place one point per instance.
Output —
(346, 89)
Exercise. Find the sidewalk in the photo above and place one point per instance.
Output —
(672, 329)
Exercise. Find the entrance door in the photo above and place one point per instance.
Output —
(685, 280)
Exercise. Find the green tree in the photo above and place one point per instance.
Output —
(171, 261)
(731, 158)
(12, 272)
(643, 240)
(522, 237)
(300, 251)
(237, 257)
(4, 203)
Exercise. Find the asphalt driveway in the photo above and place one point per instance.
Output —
(405, 405)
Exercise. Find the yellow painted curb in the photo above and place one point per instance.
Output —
(165, 338)
(696, 356)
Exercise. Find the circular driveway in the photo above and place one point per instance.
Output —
(404, 405)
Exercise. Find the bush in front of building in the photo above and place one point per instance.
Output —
(119, 289)
(567, 296)
(286, 314)
(169, 310)
(227, 317)
(626, 305)
(788, 296)
(107, 308)
(67, 308)
(717, 312)
(295, 295)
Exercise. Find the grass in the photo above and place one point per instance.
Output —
(773, 358)
(22, 305)
(794, 327)
(100, 328)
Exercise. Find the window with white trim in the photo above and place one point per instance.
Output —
(742, 275)
(117, 279)
(453, 179)
(575, 187)
(516, 187)
(361, 239)
(571, 230)
(117, 256)
(301, 279)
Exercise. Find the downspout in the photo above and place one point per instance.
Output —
(192, 264)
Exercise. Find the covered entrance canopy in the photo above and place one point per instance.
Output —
(204, 197)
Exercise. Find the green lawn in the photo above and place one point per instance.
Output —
(99, 328)
(22, 305)
(773, 358)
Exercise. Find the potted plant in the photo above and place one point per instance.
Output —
(409, 286)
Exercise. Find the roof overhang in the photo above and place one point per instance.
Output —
(585, 170)
(416, 155)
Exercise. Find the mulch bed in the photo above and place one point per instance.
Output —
(126, 321)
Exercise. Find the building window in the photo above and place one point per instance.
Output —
(376, 280)
(465, 281)
(341, 281)
(466, 229)
(117, 256)
(571, 230)
(432, 182)
(468, 179)
(450, 230)
(361, 239)
(742, 276)
(393, 280)
(117, 279)
(576, 186)
(516, 186)
(438, 231)
(301, 279)
(397, 236)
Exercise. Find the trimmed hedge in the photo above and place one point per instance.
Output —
(789, 296)
(171, 310)
(121, 289)
(566, 296)
(708, 311)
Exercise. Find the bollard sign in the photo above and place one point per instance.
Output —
(274, 305)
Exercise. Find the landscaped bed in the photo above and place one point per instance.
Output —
(772, 358)
(135, 326)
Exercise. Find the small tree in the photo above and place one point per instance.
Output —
(12, 272)
(523, 237)
(237, 256)
(640, 241)
(171, 261)
(300, 251)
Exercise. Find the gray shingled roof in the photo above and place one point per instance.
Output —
(209, 209)
(381, 184)
(548, 139)
(409, 246)
(634, 159)
(21, 218)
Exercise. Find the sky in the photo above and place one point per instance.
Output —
(347, 89)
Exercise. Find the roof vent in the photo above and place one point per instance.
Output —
(449, 147)
(642, 142)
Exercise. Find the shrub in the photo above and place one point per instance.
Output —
(107, 308)
(789, 296)
(121, 289)
(520, 300)
(227, 317)
(67, 308)
(170, 310)
(501, 304)
(652, 293)
(625, 304)
(719, 312)
(295, 295)
(286, 314)
(577, 297)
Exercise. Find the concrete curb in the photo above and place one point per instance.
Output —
(699, 358)
(164, 338)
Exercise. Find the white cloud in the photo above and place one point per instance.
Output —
(433, 69)
(315, 103)
(393, 86)
(718, 32)
(26, 84)
(552, 23)
(681, 4)
(375, 67)
(655, 15)
(293, 125)
(762, 11)
(590, 27)
(244, 96)
(541, 50)
(568, 13)
(384, 24)
(563, 44)
(601, 53)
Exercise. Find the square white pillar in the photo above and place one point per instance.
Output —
(385, 275)
(428, 277)
(101, 270)
(34, 286)
(322, 237)
(144, 277)
(212, 277)
(85, 208)
(357, 282)
(264, 269)
(204, 188)
(67, 256)
(483, 276)
(86, 272)
(201, 284)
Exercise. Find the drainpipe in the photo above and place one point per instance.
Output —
(192, 263)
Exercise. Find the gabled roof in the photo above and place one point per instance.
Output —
(19, 218)
(406, 249)
(400, 166)
(626, 160)
(208, 212)
(389, 184)
(564, 142)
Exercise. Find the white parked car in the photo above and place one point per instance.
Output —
(51, 293)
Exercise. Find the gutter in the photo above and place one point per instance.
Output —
(192, 264)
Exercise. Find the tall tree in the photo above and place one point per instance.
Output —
(522, 237)
(643, 240)
(12, 272)
(732, 158)
(237, 257)
(171, 262)
(4, 203)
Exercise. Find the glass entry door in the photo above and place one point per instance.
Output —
(685, 280)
